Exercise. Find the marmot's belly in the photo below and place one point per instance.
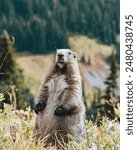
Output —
(48, 119)
(49, 123)
(53, 123)
(56, 87)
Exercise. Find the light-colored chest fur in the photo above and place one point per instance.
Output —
(56, 86)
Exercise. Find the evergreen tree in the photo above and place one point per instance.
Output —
(83, 59)
(10, 74)
(56, 20)
(111, 80)
(89, 60)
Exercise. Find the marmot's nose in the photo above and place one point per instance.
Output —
(60, 56)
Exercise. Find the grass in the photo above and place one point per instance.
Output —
(16, 132)
(33, 67)
(88, 46)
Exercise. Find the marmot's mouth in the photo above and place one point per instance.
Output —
(60, 64)
(61, 61)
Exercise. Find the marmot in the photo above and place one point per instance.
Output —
(59, 105)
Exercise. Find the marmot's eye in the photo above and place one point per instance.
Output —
(69, 53)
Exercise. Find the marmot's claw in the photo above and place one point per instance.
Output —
(39, 107)
(60, 111)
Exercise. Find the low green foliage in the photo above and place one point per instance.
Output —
(1, 97)
(16, 132)
(11, 74)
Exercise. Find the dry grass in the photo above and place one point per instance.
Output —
(16, 132)
(83, 44)
(34, 67)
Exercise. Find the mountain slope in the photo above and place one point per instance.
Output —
(93, 75)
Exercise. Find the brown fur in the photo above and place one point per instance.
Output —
(68, 99)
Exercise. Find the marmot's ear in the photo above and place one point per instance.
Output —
(75, 55)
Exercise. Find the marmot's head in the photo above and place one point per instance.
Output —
(64, 57)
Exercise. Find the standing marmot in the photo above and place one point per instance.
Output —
(59, 105)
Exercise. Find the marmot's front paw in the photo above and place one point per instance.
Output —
(60, 111)
(39, 107)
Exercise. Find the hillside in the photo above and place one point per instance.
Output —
(93, 74)
(16, 131)
(30, 33)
